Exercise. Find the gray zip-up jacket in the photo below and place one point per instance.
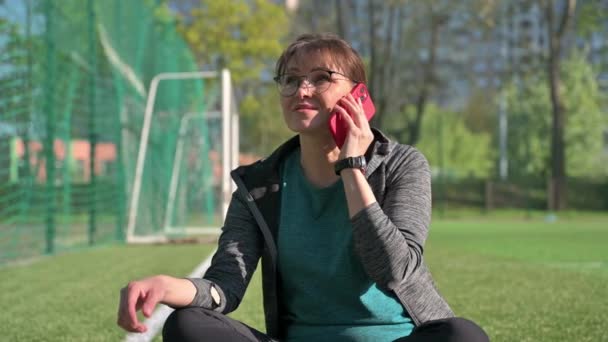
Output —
(388, 235)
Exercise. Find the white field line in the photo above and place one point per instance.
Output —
(156, 321)
(579, 264)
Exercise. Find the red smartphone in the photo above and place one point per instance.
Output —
(338, 127)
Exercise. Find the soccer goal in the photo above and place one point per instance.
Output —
(181, 184)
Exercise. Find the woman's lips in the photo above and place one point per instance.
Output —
(305, 106)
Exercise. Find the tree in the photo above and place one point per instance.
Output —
(236, 34)
(479, 109)
(587, 119)
(412, 73)
(409, 49)
(556, 29)
(18, 48)
(411, 56)
(245, 37)
(464, 153)
(530, 108)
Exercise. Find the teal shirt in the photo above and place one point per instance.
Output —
(325, 291)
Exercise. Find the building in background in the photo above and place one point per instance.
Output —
(73, 157)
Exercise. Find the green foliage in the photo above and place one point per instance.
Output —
(590, 17)
(12, 66)
(465, 153)
(480, 111)
(529, 112)
(586, 122)
(241, 35)
(529, 132)
(245, 37)
(262, 122)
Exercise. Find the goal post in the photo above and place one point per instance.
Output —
(196, 170)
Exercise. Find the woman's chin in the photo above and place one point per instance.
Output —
(307, 128)
(314, 125)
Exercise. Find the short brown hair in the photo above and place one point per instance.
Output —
(339, 52)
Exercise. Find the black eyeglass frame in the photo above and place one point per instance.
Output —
(302, 77)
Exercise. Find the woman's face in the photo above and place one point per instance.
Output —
(307, 111)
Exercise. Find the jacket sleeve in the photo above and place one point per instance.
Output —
(389, 238)
(239, 249)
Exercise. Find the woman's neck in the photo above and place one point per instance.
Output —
(318, 155)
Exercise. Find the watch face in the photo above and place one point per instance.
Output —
(357, 162)
(215, 295)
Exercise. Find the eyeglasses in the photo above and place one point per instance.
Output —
(320, 80)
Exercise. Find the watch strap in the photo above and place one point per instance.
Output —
(350, 163)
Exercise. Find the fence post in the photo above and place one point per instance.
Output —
(29, 91)
(92, 126)
(50, 129)
(527, 183)
(550, 194)
(488, 199)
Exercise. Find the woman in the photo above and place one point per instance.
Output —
(340, 230)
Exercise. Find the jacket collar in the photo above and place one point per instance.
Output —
(268, 167)
(377, 152)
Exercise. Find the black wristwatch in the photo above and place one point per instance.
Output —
(350, 163)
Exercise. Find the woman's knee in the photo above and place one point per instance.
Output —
(197, 324)
(184, 324)
(463, 329)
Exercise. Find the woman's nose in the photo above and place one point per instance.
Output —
(305, 89)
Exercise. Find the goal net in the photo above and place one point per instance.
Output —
(181, 185)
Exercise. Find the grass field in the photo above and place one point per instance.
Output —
(521, 279)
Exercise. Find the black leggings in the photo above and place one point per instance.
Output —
(198, 324)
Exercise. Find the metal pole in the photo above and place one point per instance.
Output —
(26, 187)
(120, 172)
(30, 96)
(175, 172)
(226, 132)
(92, 124)
(234, 140)
(50, 129)
(177, 166)
(502, 136)
(503, 164)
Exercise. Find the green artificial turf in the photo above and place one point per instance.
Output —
(525, 280)
(74, 296)
(521, 279)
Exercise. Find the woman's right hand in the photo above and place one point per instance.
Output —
(141, 295)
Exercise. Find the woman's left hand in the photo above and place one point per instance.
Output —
(359, 135)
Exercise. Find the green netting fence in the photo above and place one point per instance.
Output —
(73, 85)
